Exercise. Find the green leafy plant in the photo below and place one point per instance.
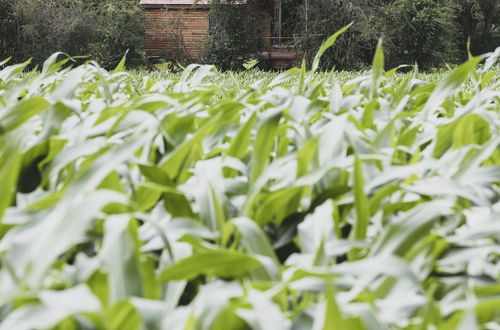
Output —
(209, 200)
(421, 31)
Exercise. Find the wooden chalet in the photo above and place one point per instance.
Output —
(178, 28)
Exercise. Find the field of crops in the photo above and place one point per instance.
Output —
(208, 200)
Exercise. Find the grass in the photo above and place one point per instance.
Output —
(208, 200)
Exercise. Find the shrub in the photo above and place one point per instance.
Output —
(420, 31)
(235, 34)
(121, 28)
(49, 26)
(102, 30)
(321, 18)
(480, 23)
(7, 29)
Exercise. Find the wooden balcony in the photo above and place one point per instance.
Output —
(281, 53)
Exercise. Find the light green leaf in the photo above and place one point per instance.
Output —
(264, 142)
(449, 85)
(360, 202)
(220, 263)
(123, 315)
(54, 307)
(378, 68)
(120, 255)
(327, 45)
(21, 112)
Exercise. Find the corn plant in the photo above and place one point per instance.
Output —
(208, 200)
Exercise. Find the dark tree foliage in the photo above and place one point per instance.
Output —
(428, 32)
(101, 30)
(48, 26)
(120, 28)
(235, 34)
(7, 28)
(431, 33)
(318, 19)
(414, 31)
(479, 23)
(420, 31)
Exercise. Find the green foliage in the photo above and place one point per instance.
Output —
(121, 29)
(480, 22)
(430, 33)
(45, 27)
(209, 200)
(235, 34)
(102, 30)
(421, 31)
(7, 28)
(316, 20)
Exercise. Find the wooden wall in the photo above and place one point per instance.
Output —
(179, 31)
(176, 32)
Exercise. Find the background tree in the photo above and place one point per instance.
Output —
(7, 28)
(102, 30)
(414, 31)
(428, 32)
(120, 28)
(420, 31)
(49, 26)
(480, 23)
(235, 34)
(316, 20)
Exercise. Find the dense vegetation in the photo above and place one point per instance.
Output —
(233, 36)
(414, 31)
(428, 32)
(101, 30)
(432, 33)
(308, 201)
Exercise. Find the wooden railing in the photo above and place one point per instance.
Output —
(291, 40)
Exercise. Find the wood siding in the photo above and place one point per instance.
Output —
(176, 32)
(179, 31)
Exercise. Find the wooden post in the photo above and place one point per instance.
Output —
(278, 20)
(307, 17)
